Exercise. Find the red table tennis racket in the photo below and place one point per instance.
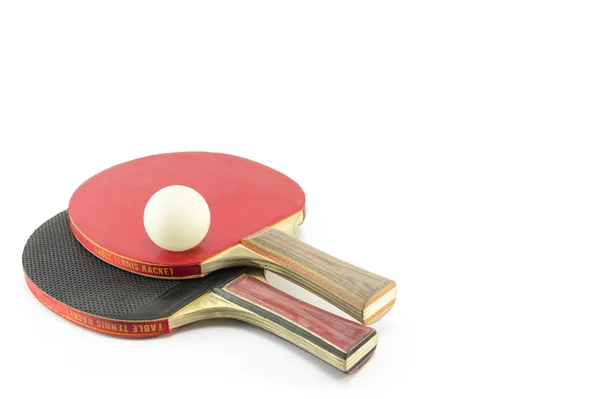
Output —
(83, 289)
(254, 213)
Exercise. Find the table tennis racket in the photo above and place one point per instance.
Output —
(82, 288)
(254, 214)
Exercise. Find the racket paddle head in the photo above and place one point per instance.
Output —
(83, 289)
(244, 197)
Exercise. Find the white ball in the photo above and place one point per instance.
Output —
(177, 218)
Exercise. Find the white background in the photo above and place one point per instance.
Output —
(452, 146)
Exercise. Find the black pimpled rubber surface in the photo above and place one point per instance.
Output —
(56, 263)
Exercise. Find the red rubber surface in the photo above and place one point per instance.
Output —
(244, 197)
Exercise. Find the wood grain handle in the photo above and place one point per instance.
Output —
(342, 343)
(361, 294)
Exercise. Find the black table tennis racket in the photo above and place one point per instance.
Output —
(80, 287)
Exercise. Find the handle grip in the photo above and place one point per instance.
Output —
(363, 295)
(345, 344)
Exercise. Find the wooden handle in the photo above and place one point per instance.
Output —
(340, 342)
(361, 294)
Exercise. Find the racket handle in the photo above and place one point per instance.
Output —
(361, 294)
(343, 343)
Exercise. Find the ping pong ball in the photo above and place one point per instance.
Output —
(177, 218)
